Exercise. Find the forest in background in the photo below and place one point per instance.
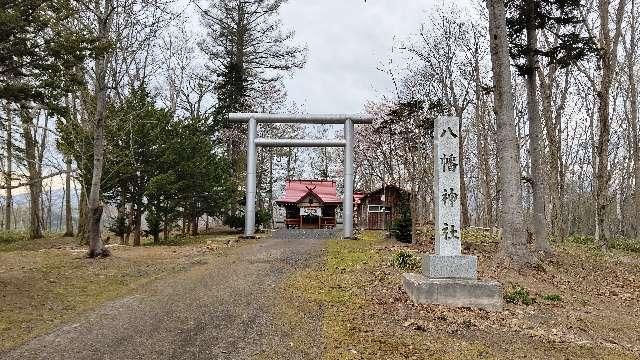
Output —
(117, 95)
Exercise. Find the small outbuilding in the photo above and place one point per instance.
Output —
(377, 209)
(310, 204)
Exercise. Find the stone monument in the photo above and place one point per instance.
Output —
(450, 278)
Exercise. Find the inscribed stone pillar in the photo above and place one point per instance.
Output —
(448, 262)
(447, 186)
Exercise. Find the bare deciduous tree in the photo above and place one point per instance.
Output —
(514, 247)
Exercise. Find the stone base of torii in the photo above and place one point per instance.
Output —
(448, 277)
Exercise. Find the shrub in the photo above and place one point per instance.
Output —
(263, 218)
(401, 228)
(118, 226)
(580, 239)
(625, 244)
(552, 297)
(406, 260)
(519, 295)
(236, 221)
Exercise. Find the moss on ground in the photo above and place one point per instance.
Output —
(367, 315)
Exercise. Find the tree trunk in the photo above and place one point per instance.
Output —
(608, 62)
(129, 226)
(289, 165)
(94, 231)
(96, 245)
(482, 145)
(635, 129)
(137, 226)
(45, 213)
(35, 179)
(271, 188)
(165, 234)
(122, 214)
(8, 175)
(67, 202)
(122, 210)
(50, 210)
(464, 202)
(194, 226)
(602, 161)
(83, 217)
(414, 221)
(555, 156)
(514, 249)
(536, 145)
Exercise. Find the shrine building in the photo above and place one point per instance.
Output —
(377, 209)
(310, 204)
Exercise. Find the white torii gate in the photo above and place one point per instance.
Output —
(254, 119)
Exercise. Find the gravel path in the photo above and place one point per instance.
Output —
(222, 310)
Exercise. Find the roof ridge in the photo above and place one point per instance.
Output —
(311, 180)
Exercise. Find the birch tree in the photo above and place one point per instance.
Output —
(102, 11)
(608, 42)
(634, 125)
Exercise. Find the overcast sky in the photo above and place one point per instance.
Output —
(348, 41)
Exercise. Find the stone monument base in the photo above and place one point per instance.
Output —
(458, 266)
(484, 294)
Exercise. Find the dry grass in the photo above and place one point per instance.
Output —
(48, 281)
(368, 316)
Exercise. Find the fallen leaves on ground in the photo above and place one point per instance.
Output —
(595, 314)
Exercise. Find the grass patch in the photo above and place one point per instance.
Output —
(367, 315)
(19, 241)
(580, 239)
(10, 237)
(42, 287)
(354, 324)
(478, 236)
(616, 243)
(552, 297)
(405, 260)
(190, 240)
(519, 295)
(625, 244)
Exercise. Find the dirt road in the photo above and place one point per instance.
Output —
(222, 310)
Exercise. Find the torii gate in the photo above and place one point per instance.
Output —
(254, 119)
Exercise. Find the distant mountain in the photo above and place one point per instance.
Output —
(57, 195)
(21, 207)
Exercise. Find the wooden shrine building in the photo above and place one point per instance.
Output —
(310, 204)
(377, 209)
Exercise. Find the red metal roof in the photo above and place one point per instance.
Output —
(295, 190)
